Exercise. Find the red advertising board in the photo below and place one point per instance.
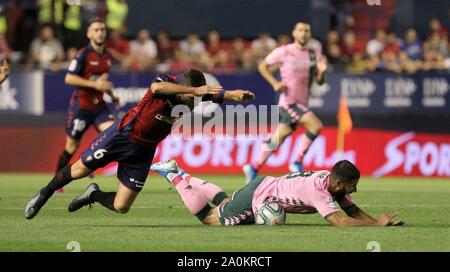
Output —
(375, 152)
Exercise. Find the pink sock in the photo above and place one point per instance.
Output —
(193, 199)
(208, 190)
(305, 143)
(264, 154)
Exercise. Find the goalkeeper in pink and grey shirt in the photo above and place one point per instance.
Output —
(299, 65)
(298, 193)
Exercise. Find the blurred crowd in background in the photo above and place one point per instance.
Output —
(48, 36)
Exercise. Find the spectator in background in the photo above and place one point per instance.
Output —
(93, 9)
(237, 50)
(412, 46)
(193, 49)
(435, 53)
(283, 39)
(390, 62)
(117, 12)
(14, 14)
(165, 47)
(348, 46)
(46, 51)
(5, 50)
(409, 65)
(143, 52)
(118, 46)
(218, 53)
(357, 64)
(51, 12)
(333, 50)
(263, 45)
(436, 27)
(73, 35)
(376, 45)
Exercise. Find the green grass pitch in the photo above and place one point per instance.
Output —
(158, 221)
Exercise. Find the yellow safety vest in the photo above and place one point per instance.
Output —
(45, 12)
(117, 13)
(3, 25)
(73, 18)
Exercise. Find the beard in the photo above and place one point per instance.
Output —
(339, 196)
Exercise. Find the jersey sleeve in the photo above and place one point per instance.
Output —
(276, 56)
(76, 66)
(215, 98)
(324, 204)
(163, 78)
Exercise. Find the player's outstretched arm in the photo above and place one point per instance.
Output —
(340, 219)
(356, 213)
(4, 71)
(169, 88)
(238, 96)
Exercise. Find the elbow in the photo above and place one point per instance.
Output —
(68, 79)
(262, 66)
(156, 88)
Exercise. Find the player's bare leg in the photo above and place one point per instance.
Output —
(120, 201)
(268, 148)
(313, 128)
(103, 126)
(62, 178)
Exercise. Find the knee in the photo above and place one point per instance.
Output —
(319, 128)
(122, 209)
(72, 145)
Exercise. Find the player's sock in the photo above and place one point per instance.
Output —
(61, 179)
(210, 191)
(104, 198)
(266, 150)
(63, 160)
(196, 203)
(305, 142)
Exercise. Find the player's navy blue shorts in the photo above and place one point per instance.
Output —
(79, 120)
(113, 145)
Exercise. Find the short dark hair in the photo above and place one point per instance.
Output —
(194, 78)
(95, 20)
(345, 171)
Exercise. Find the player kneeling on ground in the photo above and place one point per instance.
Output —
(298, 192)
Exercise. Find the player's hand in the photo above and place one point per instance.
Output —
(279, 87)
(103, 85)
(115, 100)
(322, 65)
(244, 95)
(205, 89)
(4, 69)
(385, 219)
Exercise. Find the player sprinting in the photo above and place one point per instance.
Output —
(4, 71)
(88, 72)
(299, 66)
(298, 193)
(132, 142)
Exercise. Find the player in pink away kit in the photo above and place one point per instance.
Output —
(132, 142)
(299, 66)
(298, 193)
